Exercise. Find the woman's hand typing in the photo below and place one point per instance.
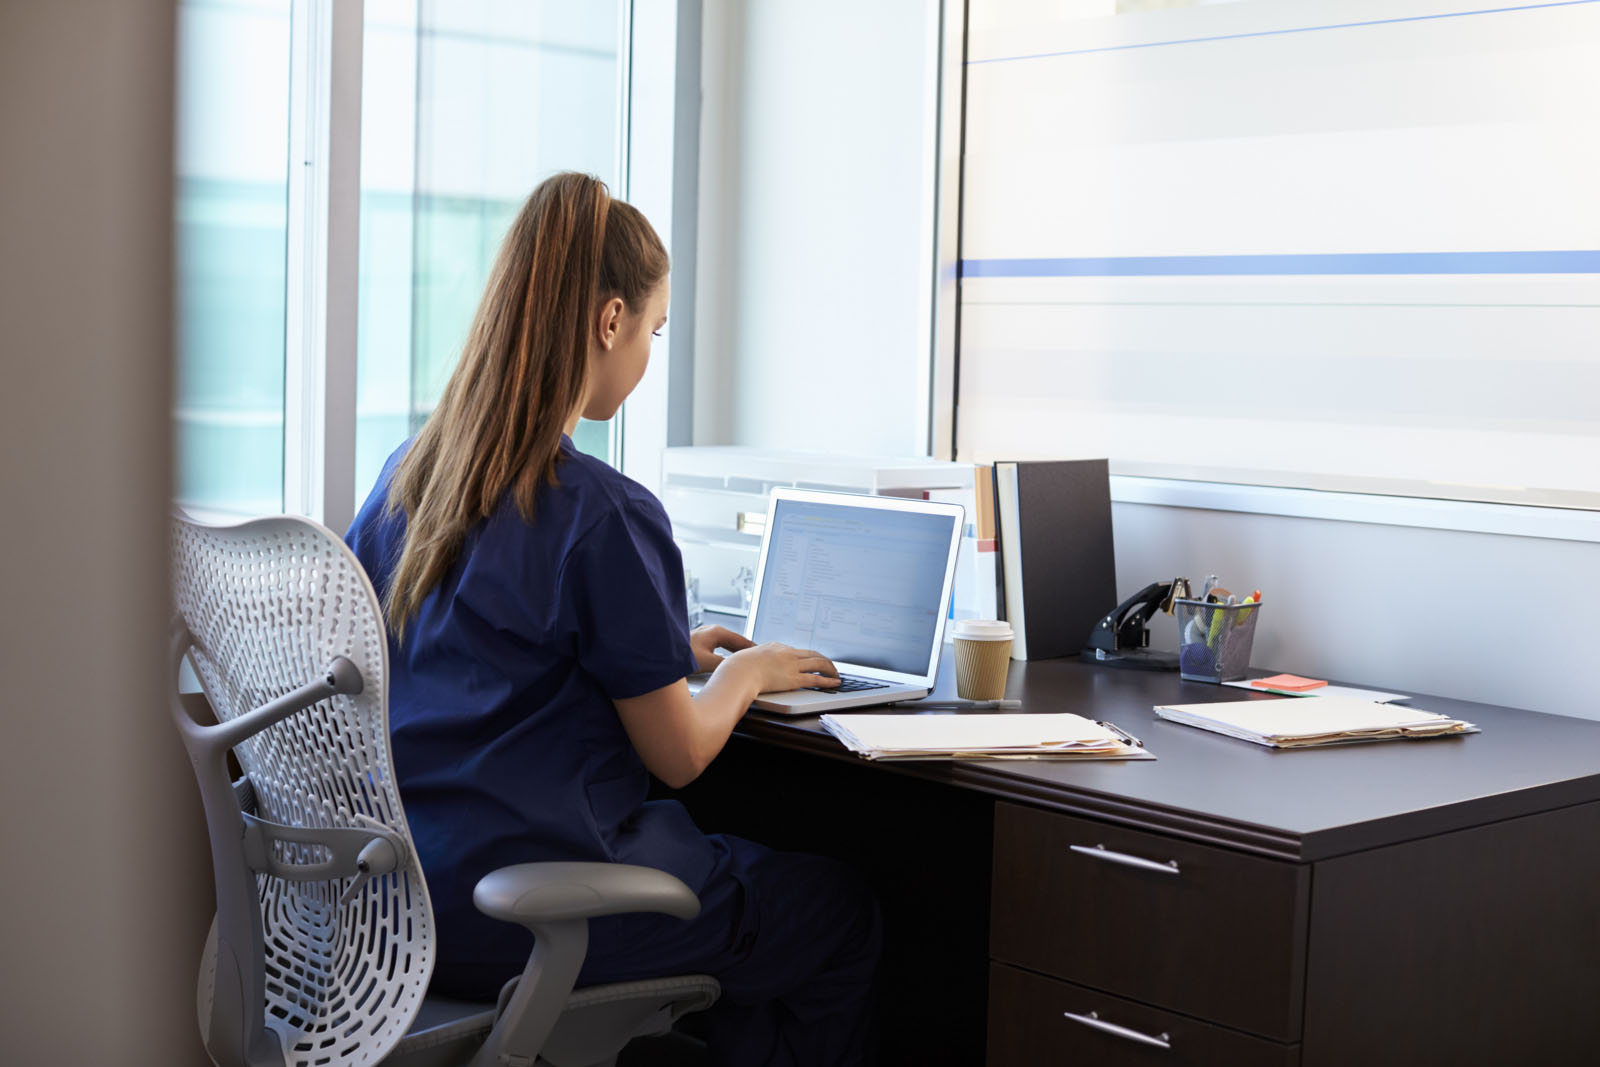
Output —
(771, 667)
(775, 668)
(707, 639)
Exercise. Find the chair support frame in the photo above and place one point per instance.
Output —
(241, 842)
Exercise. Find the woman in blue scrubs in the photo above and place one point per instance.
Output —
(539, 647)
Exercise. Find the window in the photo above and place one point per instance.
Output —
(465, 106)
(232, 222)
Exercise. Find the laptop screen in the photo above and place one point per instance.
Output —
(861, 585)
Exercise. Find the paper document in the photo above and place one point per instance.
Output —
(1324, 691)
(1298, 723)
(979, 736)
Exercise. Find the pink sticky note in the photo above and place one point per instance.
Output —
(1291, 682)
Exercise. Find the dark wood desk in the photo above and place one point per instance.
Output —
(1413, 903)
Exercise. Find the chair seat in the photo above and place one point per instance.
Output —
(447, 1032)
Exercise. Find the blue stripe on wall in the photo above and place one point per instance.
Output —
(1280, 33)
(1555, 262)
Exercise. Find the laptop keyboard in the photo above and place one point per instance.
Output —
(847, 684)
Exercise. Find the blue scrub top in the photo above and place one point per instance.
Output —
(507, 748)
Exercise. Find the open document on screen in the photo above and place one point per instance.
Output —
(858, 585)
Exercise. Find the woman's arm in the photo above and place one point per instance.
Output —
(677, 735)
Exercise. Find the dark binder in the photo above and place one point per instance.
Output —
(1068, 564)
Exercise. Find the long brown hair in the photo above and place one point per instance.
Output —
(521, 376)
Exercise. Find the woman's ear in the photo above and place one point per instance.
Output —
(608, 325)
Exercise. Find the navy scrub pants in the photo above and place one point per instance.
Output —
(793, 938)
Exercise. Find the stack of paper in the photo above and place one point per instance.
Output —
(984, 736)
(1325, 721)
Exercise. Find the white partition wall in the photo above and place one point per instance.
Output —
(813, 314)
(1322, 243)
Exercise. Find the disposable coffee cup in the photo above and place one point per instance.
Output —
(983, 655)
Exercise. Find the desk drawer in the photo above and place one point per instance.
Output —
(1220, 937)
(1029, 1027)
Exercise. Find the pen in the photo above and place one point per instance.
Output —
(961, 705)
(1124, 736)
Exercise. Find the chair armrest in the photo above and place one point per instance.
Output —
(528, 893)
(556, 901)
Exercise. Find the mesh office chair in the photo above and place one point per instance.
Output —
(323, 942)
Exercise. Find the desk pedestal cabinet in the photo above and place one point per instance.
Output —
(1115, 946)
(1425, 904)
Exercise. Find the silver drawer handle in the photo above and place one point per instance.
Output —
(1100, 852)
(1093, 1019)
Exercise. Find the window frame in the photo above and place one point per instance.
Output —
(659, 164)
(319, 437)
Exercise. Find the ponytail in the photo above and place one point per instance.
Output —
(522, 373)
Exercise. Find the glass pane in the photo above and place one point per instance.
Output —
(466, 106)
(232, 245)
(594, 438)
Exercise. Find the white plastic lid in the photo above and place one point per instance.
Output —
(983, 630)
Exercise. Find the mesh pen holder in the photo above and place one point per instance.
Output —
(1214, 639)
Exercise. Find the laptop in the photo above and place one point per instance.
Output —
(864, 580)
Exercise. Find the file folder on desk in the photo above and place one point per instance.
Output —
(1293, 723)
(1057, 568)
(981, 736)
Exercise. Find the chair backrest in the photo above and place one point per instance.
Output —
(344, 962)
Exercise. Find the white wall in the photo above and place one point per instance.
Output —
(104, 902)
(817, 154)
(814, 310)
(1476, 616)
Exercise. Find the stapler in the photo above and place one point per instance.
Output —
(1122, 638)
